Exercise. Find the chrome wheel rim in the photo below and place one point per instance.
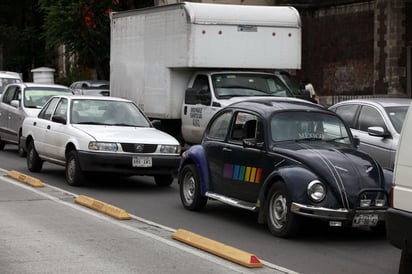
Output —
(189, 187)
(278, 211)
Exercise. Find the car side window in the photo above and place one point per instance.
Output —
(347, 113)
(200, 92)
(246, 126)
(9, 95)
(220, 126)
(47, 111)
(370, 117)
(61, 109)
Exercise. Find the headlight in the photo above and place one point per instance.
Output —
(316, 191)
(101, 146)
(169, 149)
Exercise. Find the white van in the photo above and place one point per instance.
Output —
(399, 216)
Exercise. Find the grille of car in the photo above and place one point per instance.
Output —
(139, 148)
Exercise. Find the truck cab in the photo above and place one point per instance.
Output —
(208, 92)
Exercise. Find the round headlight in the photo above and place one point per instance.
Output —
(316, 191)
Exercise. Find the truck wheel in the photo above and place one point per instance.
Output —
(34, 163)
(189, 186)
(280, 220)
(163, 180)
(74, 175)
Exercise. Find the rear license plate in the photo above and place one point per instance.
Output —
(365, 220)
(142, 162)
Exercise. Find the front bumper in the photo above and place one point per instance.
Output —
(122, 163)
(342, 215)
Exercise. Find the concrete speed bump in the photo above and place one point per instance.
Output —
(34, 182)
(230, 253)
(102, 207)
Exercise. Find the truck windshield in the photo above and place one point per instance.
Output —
(248, 84)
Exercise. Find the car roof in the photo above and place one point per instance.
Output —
(384, 102)
(266, 107)
(32, 84)
(9, 74)
(93, 97)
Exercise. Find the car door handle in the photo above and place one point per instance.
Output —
(227, 149)
(34, 123)
(48, 127)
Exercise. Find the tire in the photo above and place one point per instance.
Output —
(280, 220)
(74, 174)
(21, 151)
(163, 180)
(2, 144)
(34, 163)
(189, 188)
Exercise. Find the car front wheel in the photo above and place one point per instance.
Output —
(189, 186)
(34, 163)
(163, 180)
(74, 175)
(280, 220)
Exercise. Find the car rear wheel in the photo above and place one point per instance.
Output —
(34, 163)
(189, 186)
(280, 220)
(163, 180)
(74, 174)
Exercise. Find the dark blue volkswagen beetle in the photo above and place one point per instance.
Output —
(285, 159)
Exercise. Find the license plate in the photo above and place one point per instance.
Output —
(142, 162)
(365, 220)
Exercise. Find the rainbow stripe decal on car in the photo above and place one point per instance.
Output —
(242, 173)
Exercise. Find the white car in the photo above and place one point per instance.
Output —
(99, 134)
(20, 100)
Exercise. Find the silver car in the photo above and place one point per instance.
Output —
(20, 100)
(377, 123)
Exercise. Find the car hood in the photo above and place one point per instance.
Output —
(346, 170)
(122, 134)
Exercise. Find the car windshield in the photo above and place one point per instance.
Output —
(397, 116)
(36, 97)
(243, 84)
(300, 125)
(107, 112)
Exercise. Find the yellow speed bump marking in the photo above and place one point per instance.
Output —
(230, 253)
(25, 179)
(102, 207)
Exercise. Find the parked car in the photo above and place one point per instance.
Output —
(8, 77)
(377, 122)
(285, 159)
(399, 215)
(97, 134)
(19, 101)
(91, 87)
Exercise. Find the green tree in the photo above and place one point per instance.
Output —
(83, 27)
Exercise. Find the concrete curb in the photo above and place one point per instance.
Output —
(34, 182)
(103, 207)
(230, 253)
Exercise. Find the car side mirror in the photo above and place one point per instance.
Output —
(15, 103)
(356, 141)
(59, 119)
(377, 132)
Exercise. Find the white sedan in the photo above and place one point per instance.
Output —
(93, 134)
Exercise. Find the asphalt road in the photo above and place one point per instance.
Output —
(318, 249)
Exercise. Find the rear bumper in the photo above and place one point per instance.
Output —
(122, 163)
(398, 228)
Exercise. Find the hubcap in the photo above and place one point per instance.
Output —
(278, 211)
(189, 185)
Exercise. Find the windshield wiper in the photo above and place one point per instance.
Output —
(336, 139)
(309, 139)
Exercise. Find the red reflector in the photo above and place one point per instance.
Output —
(254, 260)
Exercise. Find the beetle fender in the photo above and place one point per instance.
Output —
(196, 154)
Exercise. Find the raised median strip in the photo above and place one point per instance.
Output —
(230, 253)
(34, 182)
(103, 207)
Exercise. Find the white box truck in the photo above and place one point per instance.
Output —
(182, 62)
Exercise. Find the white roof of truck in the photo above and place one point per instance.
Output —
(226, 14)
